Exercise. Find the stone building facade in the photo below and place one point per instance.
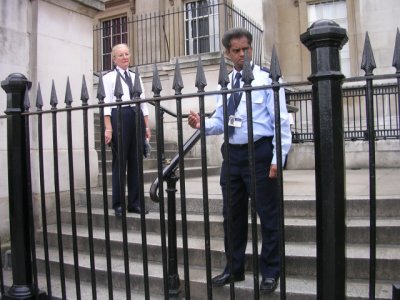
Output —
(47, 41)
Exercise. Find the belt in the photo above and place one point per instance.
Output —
(259, 141)
(126, 106)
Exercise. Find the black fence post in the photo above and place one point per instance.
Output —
(396, 291)
(173, 275)
(162, 146)
(22, 286)
(324, 39)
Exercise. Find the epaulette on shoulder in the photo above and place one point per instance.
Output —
(131, 71)
(265, 69)
(106, 72)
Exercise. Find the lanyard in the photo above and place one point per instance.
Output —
(129, 85)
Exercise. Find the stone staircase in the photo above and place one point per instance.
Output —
(192, 163)
(300, 245)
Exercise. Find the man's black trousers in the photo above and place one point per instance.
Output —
(267, 206)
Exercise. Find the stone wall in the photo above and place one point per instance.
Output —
(301, 156)
(285, 20)
(48, 40)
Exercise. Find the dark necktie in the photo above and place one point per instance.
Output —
(233, 101)
(129, 83)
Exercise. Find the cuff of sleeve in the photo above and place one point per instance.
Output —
(107, 111)
(273, 161)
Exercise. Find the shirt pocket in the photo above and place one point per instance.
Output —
(257, 97)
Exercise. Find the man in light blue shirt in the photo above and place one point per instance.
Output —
(237, 42)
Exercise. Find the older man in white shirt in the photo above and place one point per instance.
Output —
(121, 57)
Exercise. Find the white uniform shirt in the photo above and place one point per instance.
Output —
(109, 86)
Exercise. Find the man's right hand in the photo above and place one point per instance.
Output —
(194, 120)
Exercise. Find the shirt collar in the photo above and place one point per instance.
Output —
(241, 72)
(235, 72)
(122, 71)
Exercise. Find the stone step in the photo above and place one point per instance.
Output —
(151, 164)
(297, 287)
(85, 287)
(296, 229)
(295, 206)
(300, 256)
(151, 174)
(153, 154)
(168, 146)
(300, 246)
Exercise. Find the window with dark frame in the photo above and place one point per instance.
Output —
(114, 31)
(201, 27)
(336, 11)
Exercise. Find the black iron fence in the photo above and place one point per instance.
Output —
(160, 36)
(386, 114)
(327, 110)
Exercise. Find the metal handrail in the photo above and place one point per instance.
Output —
(173, 165)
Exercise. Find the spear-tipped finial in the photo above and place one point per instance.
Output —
(53, 96)
(247, 76)
(101, 94)
(396, 55)
(118, 92)
(201, 81)
(368, 61)
(39, 99)
(156, 87)
(275, 67)
(177, 85)
(68, 94)
(223, 78)
(84, 91)
(137, 88)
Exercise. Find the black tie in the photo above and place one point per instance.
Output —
(232, 105)
(129, 83)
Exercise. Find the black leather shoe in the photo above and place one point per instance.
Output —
(118, 211)
(268, 285)
(136, 210)
(222, 279)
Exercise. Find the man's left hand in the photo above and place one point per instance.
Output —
(148, 133)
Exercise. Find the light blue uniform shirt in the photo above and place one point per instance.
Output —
(263, 115)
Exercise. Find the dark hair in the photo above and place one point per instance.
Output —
(235, 33)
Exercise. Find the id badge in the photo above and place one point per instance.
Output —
(235, 121)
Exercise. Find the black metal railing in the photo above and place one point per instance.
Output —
(328, 135)
(386, 113)
(160, 36)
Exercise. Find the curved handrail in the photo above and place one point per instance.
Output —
(168, 170)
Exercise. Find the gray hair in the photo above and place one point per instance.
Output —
(236, 33)
(118, 46)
